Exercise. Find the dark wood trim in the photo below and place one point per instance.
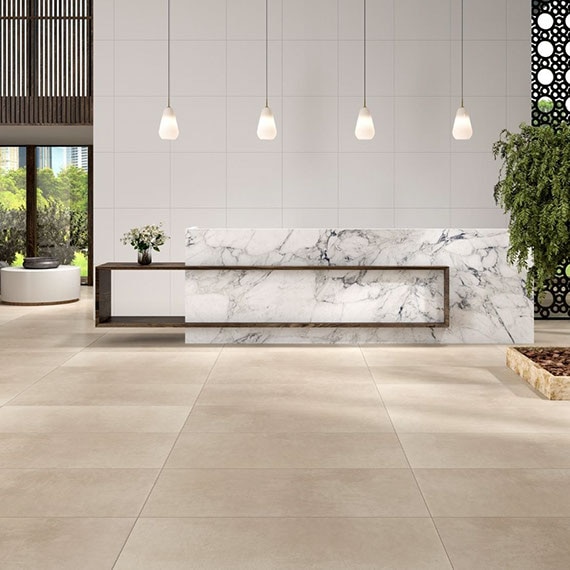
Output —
(103, 296)
(90, 181)
(31, 202)
(41, 304)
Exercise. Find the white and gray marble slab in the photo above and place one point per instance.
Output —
(487, 299)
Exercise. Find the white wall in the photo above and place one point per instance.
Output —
(413, 174)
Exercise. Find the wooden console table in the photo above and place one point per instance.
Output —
(103, 296)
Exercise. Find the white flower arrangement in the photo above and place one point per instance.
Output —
(145, 238)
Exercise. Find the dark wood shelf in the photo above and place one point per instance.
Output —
(104, 318)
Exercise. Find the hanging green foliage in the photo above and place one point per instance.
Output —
(534, 190)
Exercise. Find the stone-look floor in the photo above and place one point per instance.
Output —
(130, 450)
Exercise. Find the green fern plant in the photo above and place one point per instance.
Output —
(534, 190)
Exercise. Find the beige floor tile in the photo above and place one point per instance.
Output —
(74, 492)
(137, 367)
(289, 419)
(280, 365)
(63, 342)
(517, 450)
(496, 492)
(323, 450)
(285, 493)
(450, 394)
(436, 374)
(167, 340)
(27, 368)
(479, 417)
(444, 355)
(262, 544)
(70, 393)
(61, 544)
(92, 419)
(85, 450)
(507, 544)
(264, 395)
(9, 391)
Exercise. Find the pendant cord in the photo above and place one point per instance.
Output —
(364, 47)
(168, 55)
(266, 56)
(462, 53)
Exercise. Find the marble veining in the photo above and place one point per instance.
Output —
(487, 299)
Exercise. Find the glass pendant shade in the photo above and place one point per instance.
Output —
(364, 130)
(462, 129)
(168, 129)
(266, 128)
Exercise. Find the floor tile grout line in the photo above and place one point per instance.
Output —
(407, 460)
(165, 461)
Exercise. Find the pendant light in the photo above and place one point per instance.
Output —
(168, 129)
(462, 129)
(364, 130)
(266, 128)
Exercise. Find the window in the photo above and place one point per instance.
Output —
(45, 204)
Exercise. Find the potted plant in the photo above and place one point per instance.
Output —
(534, 189)
(144, 240)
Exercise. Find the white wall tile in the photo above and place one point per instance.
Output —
(198, 68)
(142, 180)
(366, 218)
(422, 180)
(104, 20)
(254, 217)
(104, 119)
(198, 20)
(483, 19)
(310, 68)
(177, 293)
(103, 180)
(366, 180)
(473, 178)
(423, 124)
(133, 217)
(136, 22)
(246, 68)
(478, 218)
(243, 116)
(485, 69)
(518, 69)
(140, 69)
(422, 20)
(104, 68)
(518, 20)
(310, 180)
(254, 180)
(380, 68)
(382, 110)
(422, 68)
(379, 16)
(246, 19)
(488, 118)
(136, 124)
(202, 124)
(518, 111)
(198, 180)
(133, 296)
(104, 236)
(310, 20)
(310, 124)
(422, 218)
(310, 218)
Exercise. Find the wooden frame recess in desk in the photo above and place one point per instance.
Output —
(103, 295)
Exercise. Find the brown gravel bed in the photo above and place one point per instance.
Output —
(555, 359)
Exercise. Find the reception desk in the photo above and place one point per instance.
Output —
(353, 286)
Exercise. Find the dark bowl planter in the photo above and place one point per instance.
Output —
(40, 263)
